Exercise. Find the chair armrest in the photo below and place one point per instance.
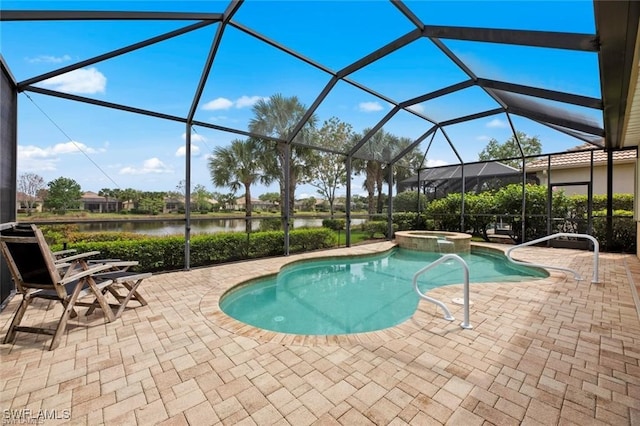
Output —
(62, 265)
(117, 263)
(77, 256)
(84, 273)
(63, 252)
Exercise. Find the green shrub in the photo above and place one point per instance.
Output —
(445, 212)
(301, 240)
(167, 252)
(271, 224)
(408, 221)
(479, 213)
(334, 224)
(619, 201)
(623, 238)
(407, 201)
(374, 227)
(103, 236)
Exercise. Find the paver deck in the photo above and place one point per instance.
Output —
(552, 351)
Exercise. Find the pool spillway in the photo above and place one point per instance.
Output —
(434, 241)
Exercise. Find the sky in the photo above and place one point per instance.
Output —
(106, 148)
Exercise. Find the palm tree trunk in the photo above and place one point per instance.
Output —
(293, 181)
(369, 184)
(379, 186)
(247, 206)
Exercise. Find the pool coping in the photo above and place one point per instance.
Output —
(210, 308)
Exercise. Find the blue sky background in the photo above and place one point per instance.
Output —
(129, 150)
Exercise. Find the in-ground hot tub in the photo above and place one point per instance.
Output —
(434, 241)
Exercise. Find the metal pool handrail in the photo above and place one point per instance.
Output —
(576, 275)
(447, 314)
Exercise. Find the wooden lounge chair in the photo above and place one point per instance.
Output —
(37, 275)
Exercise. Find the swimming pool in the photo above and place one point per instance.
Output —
(356, 295)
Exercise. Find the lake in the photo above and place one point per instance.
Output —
(200, 226)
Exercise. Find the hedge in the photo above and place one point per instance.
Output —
(623, 231)
(481, 210)
(167, 252)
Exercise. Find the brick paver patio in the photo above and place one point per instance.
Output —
(553, 351)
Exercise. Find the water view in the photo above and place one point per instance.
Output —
(173, 227)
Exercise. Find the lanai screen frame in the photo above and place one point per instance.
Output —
(611, 44)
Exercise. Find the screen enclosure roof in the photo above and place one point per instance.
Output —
(406, 75)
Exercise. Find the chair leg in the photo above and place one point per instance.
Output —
(101, 299)
(17, 318)
(133, 293)
(68, 308)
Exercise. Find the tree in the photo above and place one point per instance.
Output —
(31, 185)
(201, 197)
(270, 197)
(227, 200)
(150, 202)
(64, 193)
(407, 201)
(277, 117)
(376, 148)
(181, 187)
(495, 150)
(330, 170)
(408, 165)
(128, 196)
(238, 166)
(309, 204)
(107, 193)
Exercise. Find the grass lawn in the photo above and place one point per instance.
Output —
(356, 237)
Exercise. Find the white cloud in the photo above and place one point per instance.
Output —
(83, 80)
(195, 138)
(417, 108)
(248, 101)
(48, 59)
(217, 104)
(71, 147)
(436, 163)
(224, 103)
(497, 123)
(369, 106)
(31, 157)
(152, 165)
(483, 138)
(182, 151)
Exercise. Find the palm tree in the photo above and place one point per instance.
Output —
(107, 193)
(238, 165)
(408, 165)
(376, 148)
(277, 117)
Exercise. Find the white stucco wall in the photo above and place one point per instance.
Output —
(623, 179)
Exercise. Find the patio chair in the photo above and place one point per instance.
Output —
(118, 272)
(37, 275)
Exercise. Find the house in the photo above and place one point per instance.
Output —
(173, 205)
(571, 171)
(25, 202)
(97, 203)
(255, 204)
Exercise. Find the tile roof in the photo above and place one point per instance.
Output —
(581, 156)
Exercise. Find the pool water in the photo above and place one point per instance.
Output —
(355, 295)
